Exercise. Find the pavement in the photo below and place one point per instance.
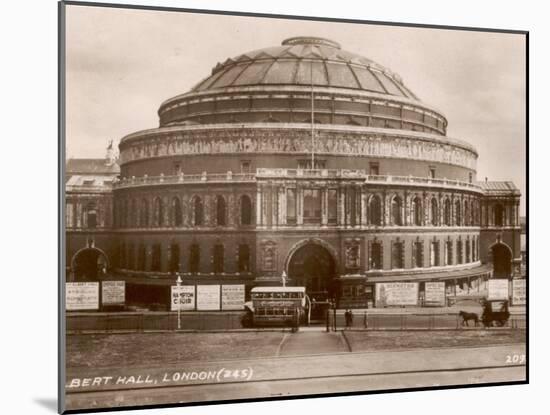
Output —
(291, 375)
(306, 342)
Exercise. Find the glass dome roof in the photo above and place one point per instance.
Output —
(305, 61)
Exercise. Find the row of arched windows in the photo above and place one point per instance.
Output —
(465, 213)
(134, 259)
(143, 213)
(467, 251)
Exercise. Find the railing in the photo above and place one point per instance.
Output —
(263, 173)
(415, 321)
(228, 177)
(152, 321)
(362, 174)
(208, 321)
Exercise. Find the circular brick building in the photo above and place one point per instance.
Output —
(313, 161)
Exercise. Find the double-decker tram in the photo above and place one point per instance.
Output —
(278, 306)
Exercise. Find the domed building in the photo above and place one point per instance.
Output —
(305, 160)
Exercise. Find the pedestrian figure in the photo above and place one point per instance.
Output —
(348, 316)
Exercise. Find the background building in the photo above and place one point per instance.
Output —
(301, 158)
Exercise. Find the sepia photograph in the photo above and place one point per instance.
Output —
(263, 207)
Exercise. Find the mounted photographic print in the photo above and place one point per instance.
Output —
(258, 207)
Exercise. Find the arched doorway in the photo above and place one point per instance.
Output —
(502, 260)
(88, 264)
(312, 266)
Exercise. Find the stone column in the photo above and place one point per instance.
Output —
(358, 206)
(259, 216)
(282, 205)
(274, 206)
(299, 205)
(341, 206)
(78, 213)
(364, 213)
(324, 206)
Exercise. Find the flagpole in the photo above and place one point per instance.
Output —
(312, 120)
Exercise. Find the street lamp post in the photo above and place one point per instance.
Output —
(178, 284)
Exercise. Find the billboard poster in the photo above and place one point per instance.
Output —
(113, 292)
(208, 297)
(233, 297)
(519, 292)
(497, 289)
(434, 293)
(81, 296)
(184, 296)
(396, 293)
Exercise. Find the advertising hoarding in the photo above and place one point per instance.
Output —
(396, 293)
(434, 293)
(82, 296)
(113, 292)
(184, 296)
(497, 289)
(208, 297)
(233, 297)
(519, 292)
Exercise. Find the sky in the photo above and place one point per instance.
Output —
(122, 64)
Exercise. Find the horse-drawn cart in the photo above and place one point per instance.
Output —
(495, 311)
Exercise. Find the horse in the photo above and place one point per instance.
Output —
(468, 316)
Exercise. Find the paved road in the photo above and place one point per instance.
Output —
(295, 375)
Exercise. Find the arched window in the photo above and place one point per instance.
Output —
(144, 213)
(375, 260)
(499, 215)
(125, 213)
(155, 257)
(91, 215)
(417, 211)
(447, 213)
(220, 211)
(418, 254)
(397, 255)
(217, 265)
(458, 213)
(198, 211)
(158, 212)
(244, 258)
(459, 252)
(375, 211)
(174, 257)
(396, 208)
(133, 213)
(176, 212)
(466, 215)
(246, 210)
(131, 257)
(434, 212)
(194, 258)
(122, 256)
(141, 258)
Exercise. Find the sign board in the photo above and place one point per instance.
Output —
(519, 292)
(497, 289)
(208, 297)
(233, 297)
(184, 296)
(396, 293)
(113, 292)
(434, 293)
(82, 295)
